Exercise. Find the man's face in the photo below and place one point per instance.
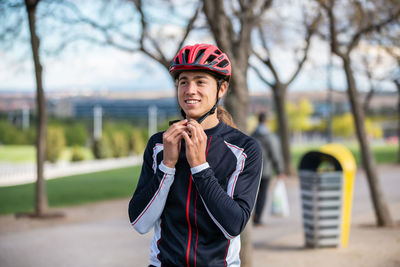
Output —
(197, 92)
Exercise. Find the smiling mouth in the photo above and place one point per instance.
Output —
(192, 101)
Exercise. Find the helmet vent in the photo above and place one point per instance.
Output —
(210, 59)
(217, 52)
(223, 63)
(177, 60)
(187, 51)
(199, 55)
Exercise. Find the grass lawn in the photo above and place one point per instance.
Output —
(72, 190)
(25, 153)
(15, 153)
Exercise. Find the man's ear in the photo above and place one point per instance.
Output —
(223, 89)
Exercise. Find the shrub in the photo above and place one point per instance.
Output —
(77, 154)
(11, 135)
(137, 143)
(102, 148)
(76, 135)
(7, 131)
(55, 143)
(120, 145)
(343, 125)
(30, 136)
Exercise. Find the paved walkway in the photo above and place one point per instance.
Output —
(100, 235)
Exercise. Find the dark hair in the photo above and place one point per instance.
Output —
(225, 117)
(262, 117)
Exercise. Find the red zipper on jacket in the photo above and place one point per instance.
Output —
(188, 221)
(195, 217)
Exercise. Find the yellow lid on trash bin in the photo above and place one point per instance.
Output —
(342, 154)
(348, 164)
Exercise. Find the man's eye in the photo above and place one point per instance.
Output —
(182, 83)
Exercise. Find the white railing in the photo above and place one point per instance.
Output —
(21, 173)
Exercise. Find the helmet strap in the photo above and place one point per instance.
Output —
(212, 110)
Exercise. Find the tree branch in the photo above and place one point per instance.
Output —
(221, 27)
(260, 75)
(335, 46)
(189, 27)
(311, 29)
(264, 7)
(269, 64)
(372, 27)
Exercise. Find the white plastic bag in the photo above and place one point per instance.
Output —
(280, 204)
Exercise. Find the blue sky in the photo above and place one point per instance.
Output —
(97, 68)
(94, 69)
(88, 66)
(85, 66)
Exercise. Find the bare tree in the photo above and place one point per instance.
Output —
(12, 31)
(371, 60)
(41, 194)
(278, 86)
(397, 82)
(372, 89)
(391, 43)
(159, 38)
(231, 23)
(344, 35)
(394, 51)
(386, 45)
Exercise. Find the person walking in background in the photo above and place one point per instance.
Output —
(200, 177)
(272, 160)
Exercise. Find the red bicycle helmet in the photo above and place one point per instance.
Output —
(201, 57)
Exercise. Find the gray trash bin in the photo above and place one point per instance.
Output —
(321, 198)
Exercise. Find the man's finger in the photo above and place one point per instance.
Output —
(188, 140)
(197, 131)
(176, 127)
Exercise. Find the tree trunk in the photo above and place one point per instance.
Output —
(41, 205)
(246, 250)
(381, 209)
(279, 93)
(237, 104)
(398, 119)
(237, 99)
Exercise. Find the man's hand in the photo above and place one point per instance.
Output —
(172, 143)
(196, 143)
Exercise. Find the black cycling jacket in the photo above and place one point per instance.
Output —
(198, 214)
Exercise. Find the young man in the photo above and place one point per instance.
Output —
(200, 177)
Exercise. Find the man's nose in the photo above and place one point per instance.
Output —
(191, 88)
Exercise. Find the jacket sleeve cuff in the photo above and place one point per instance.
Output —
(166, 169)
(199, 168)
